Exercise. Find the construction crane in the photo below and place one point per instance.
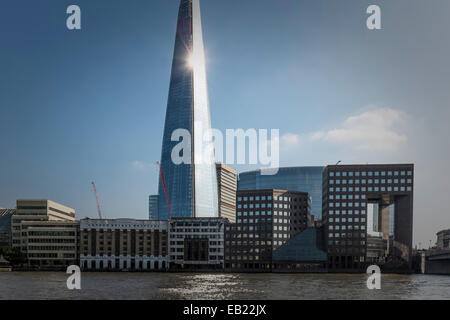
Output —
(96, 199)
(165, 189)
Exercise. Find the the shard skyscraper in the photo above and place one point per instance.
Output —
(188, 189)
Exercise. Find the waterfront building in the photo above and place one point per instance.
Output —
(305, 252)
(153, 207)
(227, 185)
(123, 244)
(304, 179)
(443, 239)
(191, 185)
(46, 232)
(368, 215)
(265, 221)
(196, 243)
(5, 227)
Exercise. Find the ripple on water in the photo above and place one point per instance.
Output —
(52, 285)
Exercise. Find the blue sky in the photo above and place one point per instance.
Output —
(89, 105)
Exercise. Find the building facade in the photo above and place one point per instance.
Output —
(5, 227)
(153, 207)
(46, 232)
(265, 220)
(304, 179)
(196, 243)
(123, 244)
(368, 216)
(189, 181)
(227, 186)
(443, 239)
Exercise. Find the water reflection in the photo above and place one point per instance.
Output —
(40, 285)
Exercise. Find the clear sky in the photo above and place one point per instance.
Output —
(89, 105)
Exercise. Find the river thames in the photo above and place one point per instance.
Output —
(52, 285)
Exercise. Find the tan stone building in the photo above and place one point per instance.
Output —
(227, 186)
(123, 244)
(46, 232)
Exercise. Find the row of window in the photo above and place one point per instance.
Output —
(347, 227)
(338, 212)
(256, 213)
(255, 198)
(338, 220)
(370, 189)
(371, 181)
(196, 224)
(51, 248)
(370, 173)
(347, 204)
(249, 235)
(348, 242)
(192, 230)
(345, 196)
(124, 249)
(277, 198)
(346, 235)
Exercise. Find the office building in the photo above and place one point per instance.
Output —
(123, 244)
(153, 207)
(443, 239)
(368, 216)
(5, 227)
(188, 182)
(304, 179)
(265, 221)
(227, 185)
(196, 243)
(305, 252)
(46, 232)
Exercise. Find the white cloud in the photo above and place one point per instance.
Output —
(290, 139)
(140, 164)
(375, 130)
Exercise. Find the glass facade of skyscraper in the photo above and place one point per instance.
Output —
(304, 179)
(189, 188)
(153, 207)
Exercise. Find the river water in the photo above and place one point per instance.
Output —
(52, 285)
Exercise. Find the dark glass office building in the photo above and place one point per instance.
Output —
(190, 187)
(303, 179)
(265, 220)
(368, 216)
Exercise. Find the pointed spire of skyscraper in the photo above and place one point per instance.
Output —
(191, 187)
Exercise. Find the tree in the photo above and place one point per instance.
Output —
(14, 256)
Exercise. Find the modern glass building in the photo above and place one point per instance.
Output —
(153, 207)
(189, 188)
(304, 179)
